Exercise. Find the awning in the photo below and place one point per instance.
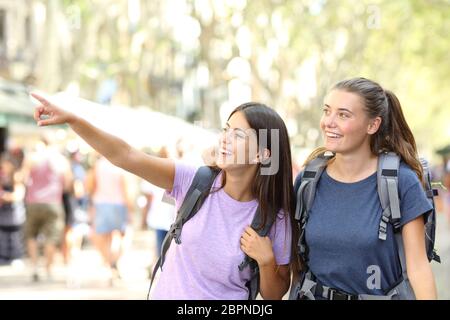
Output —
(15, 105)
(139, 126)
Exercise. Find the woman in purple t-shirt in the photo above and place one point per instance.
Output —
(255, 161)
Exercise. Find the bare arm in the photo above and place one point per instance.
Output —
(158, 171)
(274, 280)
(418, 268)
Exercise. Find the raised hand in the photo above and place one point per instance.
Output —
(49, 114)
(158, 171)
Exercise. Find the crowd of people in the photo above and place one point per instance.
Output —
(55, 201)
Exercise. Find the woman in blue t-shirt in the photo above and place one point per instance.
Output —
(344, 255)
(214, 241)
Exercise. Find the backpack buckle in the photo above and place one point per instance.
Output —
(175, 231)
(177, 235)
(334, 294)
(396, 224)
(243, 264)
(432, 193)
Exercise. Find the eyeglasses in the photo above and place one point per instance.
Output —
(235, 133)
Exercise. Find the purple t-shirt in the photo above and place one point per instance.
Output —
(205, 265)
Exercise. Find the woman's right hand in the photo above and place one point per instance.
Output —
(53, 113)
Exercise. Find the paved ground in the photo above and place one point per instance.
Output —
(86, 279)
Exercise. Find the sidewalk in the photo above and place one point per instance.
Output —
(90, 281)
(86, 278)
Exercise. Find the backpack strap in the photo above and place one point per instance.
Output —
(193, 200)
(305, 196)
(262, 230)
(430, 221)
(305, 199)
(387, 184)
(311, 287)
(401, 253)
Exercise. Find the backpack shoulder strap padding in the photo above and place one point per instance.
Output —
(196, 194)
(305, 196)
(430, 218)
(262, 230)
(310, 177)
(387, 184)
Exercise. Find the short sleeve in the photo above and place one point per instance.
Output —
(281, 236)
(413, 200)
(184, 174)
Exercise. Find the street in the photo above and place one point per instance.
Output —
(87, 279)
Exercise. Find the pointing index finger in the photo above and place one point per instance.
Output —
(40, 98)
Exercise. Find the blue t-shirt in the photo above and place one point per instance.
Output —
(342, 232)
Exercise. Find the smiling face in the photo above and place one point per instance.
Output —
(238, 143)
(345, 124)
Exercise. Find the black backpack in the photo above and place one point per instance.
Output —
(194, 199)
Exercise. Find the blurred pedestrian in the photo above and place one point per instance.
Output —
(159, 210)
(47, 174)
(11, 214)
(109, 191)
(446, 195)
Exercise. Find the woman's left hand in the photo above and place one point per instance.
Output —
(256, 247)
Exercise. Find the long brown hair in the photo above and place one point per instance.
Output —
(394, 133)
(274, 192)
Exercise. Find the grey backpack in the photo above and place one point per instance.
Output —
(387, 182)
